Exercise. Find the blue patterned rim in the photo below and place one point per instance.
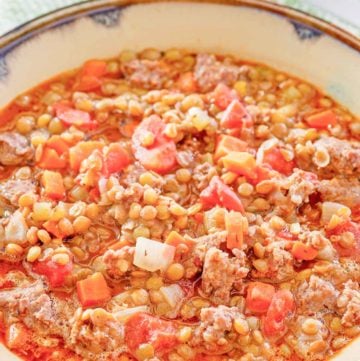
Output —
(108, 13)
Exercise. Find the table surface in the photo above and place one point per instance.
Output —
(344, 13)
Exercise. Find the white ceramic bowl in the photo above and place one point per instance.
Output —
(250, 29)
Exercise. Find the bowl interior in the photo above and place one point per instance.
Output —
(69, 37)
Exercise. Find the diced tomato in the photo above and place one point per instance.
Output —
(322, 120)
(223, 96)
(54, 272)
(281, 306)
(70, 116)
(276, 160)
(218, 193)
(348, 226)
(285, 234)
(235, 116)
(262, 173)
(145, 328)
(116, 159)
(161, 155)
(58, 144)
(259, 296)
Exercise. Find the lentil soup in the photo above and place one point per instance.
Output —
(177, 206)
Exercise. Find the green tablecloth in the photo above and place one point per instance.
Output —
(344, 13)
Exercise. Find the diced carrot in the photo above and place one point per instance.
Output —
(175, 239)
(276, 160)
(87, 83)
(218, 193)
(303, 251)
(52, 227)
(259, 296)
(79, 118)
(94, 67)
(57, 143)
(236, 226)
(187, 83)
(227, 144)
(223, 96)
(116, 158)
(119, 244)
(53, 184)
(322, 120)
(235, 116)
(81, 151)
(242, 163)
(90, 75)
(93, 291)
(50, 159)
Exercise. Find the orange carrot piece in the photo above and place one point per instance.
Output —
(52, 227)
(81, 151)
(93, 291)
(175, 239)
(322, 120)
(236, 226)
(227, 144)
(50, 159)
(53, 185)
(303, 251)
(242, 163)
(120, 244)
(57, 143)
(94, 67)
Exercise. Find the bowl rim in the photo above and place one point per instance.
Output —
(21, 33)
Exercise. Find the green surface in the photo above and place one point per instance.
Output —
(15, 12)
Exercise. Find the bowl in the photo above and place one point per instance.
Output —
(253, 30)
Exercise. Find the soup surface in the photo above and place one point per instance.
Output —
(176, 206)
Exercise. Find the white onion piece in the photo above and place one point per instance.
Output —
(152, 255)
(125, 314)
(173, 294)
(16, 229)
(328, 209)
(268, 144)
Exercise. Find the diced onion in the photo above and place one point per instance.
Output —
(152, 255)
(126, 313)
(329, 209)
(16, 229)
(173, 294)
